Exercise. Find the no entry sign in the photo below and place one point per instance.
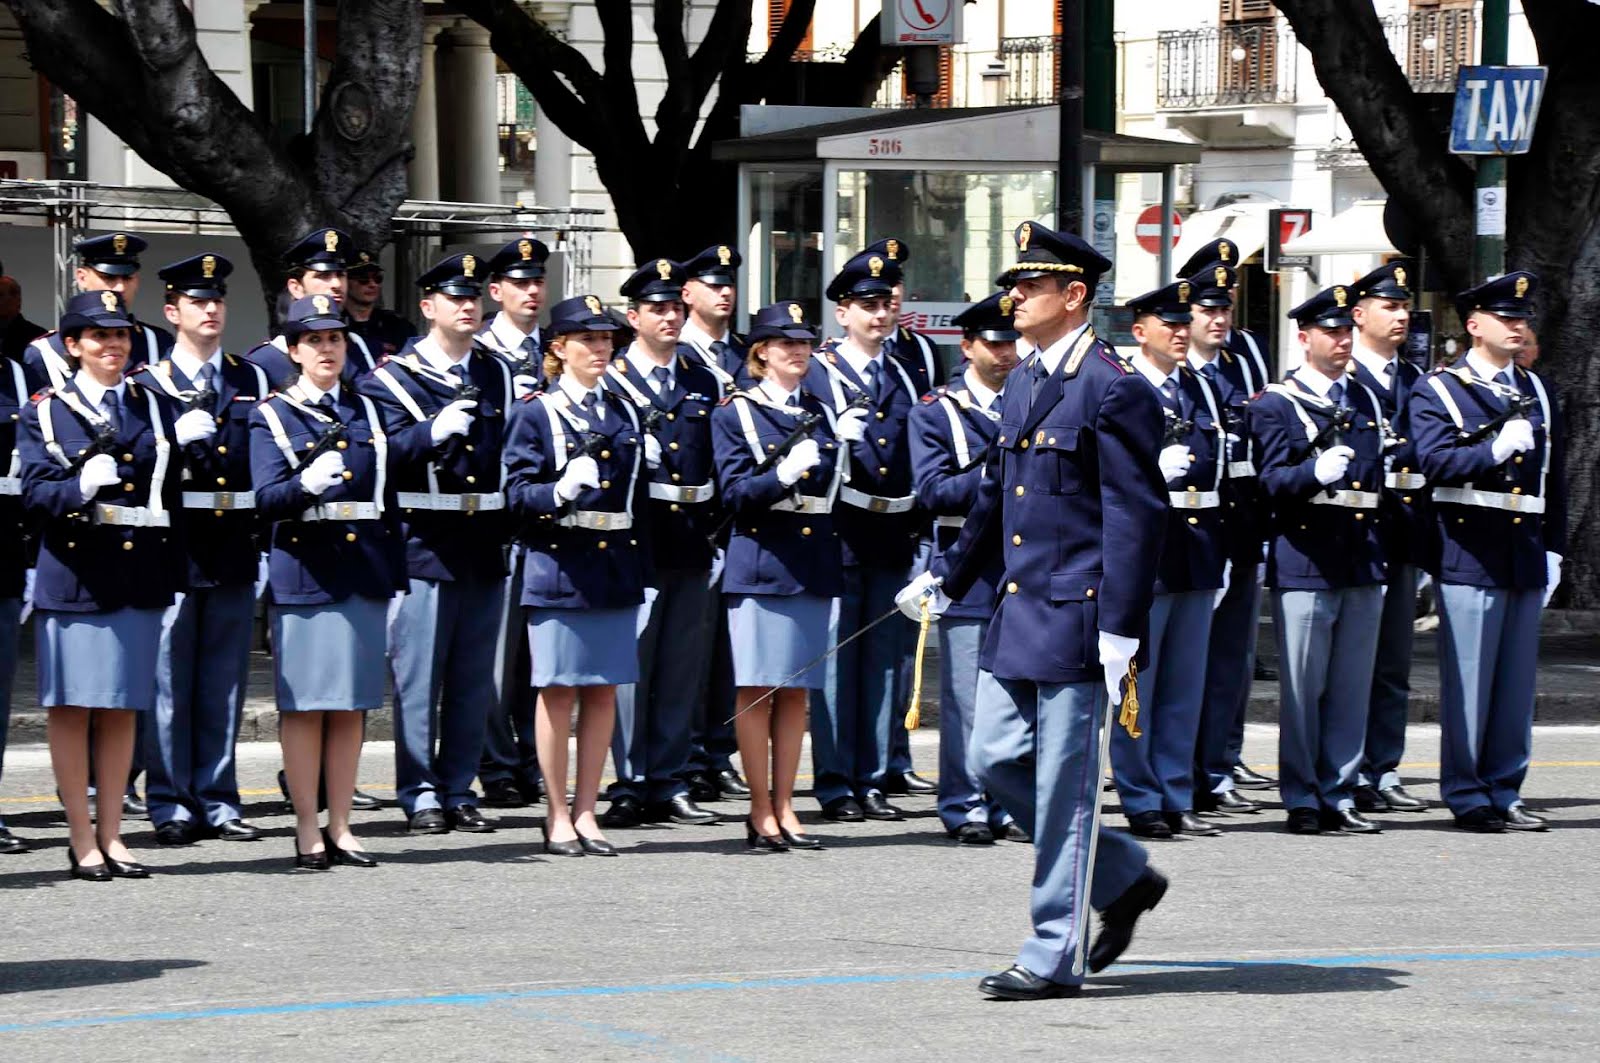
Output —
(1147, 229)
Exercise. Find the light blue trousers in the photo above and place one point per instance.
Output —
(1155, 772)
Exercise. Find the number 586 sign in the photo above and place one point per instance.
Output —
(921, 22)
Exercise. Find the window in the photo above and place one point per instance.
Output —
(1439, 39)
(1248, 43)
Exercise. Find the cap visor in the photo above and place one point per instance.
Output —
(212, 292)
(109, 321)
(1212, 300)
(995, 335)
(114, 269)
(715, 279)
(673, 296)
(458, 289)
(798, 333)
(1331, 321)
(321, 265)
(1174, 317)
(1517, 312)
(522, 272)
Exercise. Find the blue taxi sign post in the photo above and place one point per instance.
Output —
(1495, 111)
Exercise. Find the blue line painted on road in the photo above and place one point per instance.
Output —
(1359, 959)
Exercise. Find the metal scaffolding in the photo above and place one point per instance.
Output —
(419, 227)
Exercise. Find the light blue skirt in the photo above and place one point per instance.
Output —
(583, 647)
(98, 660)
(329, 657)
(776, 635)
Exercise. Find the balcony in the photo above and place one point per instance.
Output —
(1431, 45)
(1229, 84)
(1022, 72)
(1032, 69)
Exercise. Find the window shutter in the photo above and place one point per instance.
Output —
(777, 10)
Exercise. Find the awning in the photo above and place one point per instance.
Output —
(1356, 231)
(1243, 223)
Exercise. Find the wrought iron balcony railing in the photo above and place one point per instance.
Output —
(1226, 66)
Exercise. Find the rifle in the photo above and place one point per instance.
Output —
(200, 399)
(1520, 406)
(1178, 428)
(1332, 433)
(329, 440)
(104, 442)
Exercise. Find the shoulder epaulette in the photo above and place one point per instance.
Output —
(42, 393)
(1121, 364)
(935, 395)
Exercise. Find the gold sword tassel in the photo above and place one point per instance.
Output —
(1129, 716)
(914, 712)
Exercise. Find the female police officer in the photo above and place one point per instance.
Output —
(778, 467)
(318, 458)
(574, 457)
(96, 455)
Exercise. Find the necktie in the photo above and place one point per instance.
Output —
(1040, 375)
(1388, 374)
(327, 405)
(1209, 371)
(1504, 377)
(717, 347)
(1169, 395)
(660, 378)
(591, 406)
(1336, 393)
(458, 373)
(111, 409)
(792, 402)
(874, 385)
(206, 381)
(529, 347)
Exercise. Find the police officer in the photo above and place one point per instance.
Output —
(1073, 469)
(315, 265)
(1491, 443)
(951, 430)
(673, 393)
(16, 574)
(1382, 313)
(443, 402)
(108, 263)
(1235, 374)
(1154, 773)
(1320, 436)
(205, 636)
(381, 329)
(872, 394)
(710, 291)
(916, 351)
(517, 283)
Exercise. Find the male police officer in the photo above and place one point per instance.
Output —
(381, 329)
(1491, 443)
(204, 666)
(914, 350)
(1320, 435)
(443, 403)
(673, 388)
(1155, 773)
(1382, 315)
(1073, 498)
(517, 283)
(710, 293)
(315, 265)
(951, 430)
(108, 263)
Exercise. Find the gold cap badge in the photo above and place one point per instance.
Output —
(1006, 305)
(119, 244)
(1400, 276)
(1221, 274)
(1224, 249)
(797, 315)
(366, 259)
(109, 300)
(1339, 296)
(330, 240)
(320, 304)
(1522, 287)
(1183, 292)
(525, 249)
(208, 267)
(875, 264)
(1024, 234)
(893, 247)
(725, 254)
(468, 264)
(663, 269)
(593, 303)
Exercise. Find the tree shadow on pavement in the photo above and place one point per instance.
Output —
(1252, 979)
(34, 976)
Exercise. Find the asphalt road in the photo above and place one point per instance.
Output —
(1421, 943)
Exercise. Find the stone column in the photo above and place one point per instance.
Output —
(424, 169)
(552, 149)
(469, 162)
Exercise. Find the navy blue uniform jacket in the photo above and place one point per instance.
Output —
(1195, 549)
(947, 469)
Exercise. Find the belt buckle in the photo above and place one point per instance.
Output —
(877, 505)
(344, 511)
(224, 500)
(108, 514)
(600, 522)
(469, 503)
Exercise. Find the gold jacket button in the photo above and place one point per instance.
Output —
(349, 537)
(342, 445)
(601, 544)
(1361, 516)
(472, 479)
(883, 471)
(605, 485)
(1016, 540)
(1023, 444)
(128, 488)
(1355, 485)
(1021, 490)
(469, 448)
(805, 475)
(1088, 592)
(882, 442)
(222, 481)
(1011, 588)
(805, 531)
(604, 454)
(222, 449)
(127, 457)
(348, 475)
(127, 544)
(1194, 520)
(676, 477)
(673, 508)
(673, 445)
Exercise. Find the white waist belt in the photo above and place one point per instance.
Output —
(10, 485)
(342, 511)
(1405, 481)
(1238, 469)
(804, 504)
(1471, 496)
(1347, 499)
(468, 503)
(131, 516)
(1194, 499)
(674, 493)
(219, 500)
(950, 522)
(597, 520)
(876, 503)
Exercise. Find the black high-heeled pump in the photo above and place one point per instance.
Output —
(91, 873)
(571, 847)
(310, 861)
(347, 857)
(762, 842)
(124, 868)
(596, 846)
(799, 841)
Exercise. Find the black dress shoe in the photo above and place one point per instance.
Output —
(1399, 801)
(1264, 672)
(362, 801)
(571, 847)
(1189, 823)
(175, 832)
(10, 843)
(766, 843)
(732, 784)
(701, 788)
(973, 834)
(1011, 832)
(92, 873)
(235, 830)
(467, 818)
(347, 857)
(1519, 818)
(1304, 821)
(134, 807)
(1234, 803)
(799, 841)
(1019, 983)
(124, 868)
(1245, 779)
(427, 821)
(1483, 820)
(1149, 825)
(681, 809)
(1119, 917)
(874, 806)
(908, 783)
(843, 810)
(1367, 800)
(596, 846)
(310, 861)
(1346, 821)
(504, 793)
(625, 812)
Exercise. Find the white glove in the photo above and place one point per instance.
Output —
(263, 576)
(802, 456)
(924, 588)
(1227, 581)
(1514, 437)
(27, 595)
(718, 561)
(323, 473)
(1331, 464)
(1388, 463)
(99, 471)
(522, 385)
(454, 420)
(1552, 576)
(194, 425)
(580, 472)
(851, 426)
(1174, 461)
(652, 451)
(1115, 653)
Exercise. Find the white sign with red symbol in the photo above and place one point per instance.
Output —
(1147, 229)
(921, 22)
(933, 319)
